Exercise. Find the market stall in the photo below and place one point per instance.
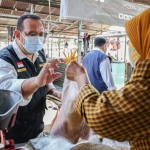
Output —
(87, 11)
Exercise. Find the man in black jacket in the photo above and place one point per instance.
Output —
(23, 68)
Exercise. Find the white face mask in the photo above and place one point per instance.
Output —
(33, 43)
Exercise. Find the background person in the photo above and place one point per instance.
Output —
(98, 66)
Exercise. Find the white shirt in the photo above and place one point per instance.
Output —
(8, 75)
(105, 70)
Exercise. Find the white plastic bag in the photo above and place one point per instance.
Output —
(59, 143)
(116, 145)
(69, 123)
(50, 143)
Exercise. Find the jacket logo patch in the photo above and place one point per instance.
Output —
(20, 64)
(41, 65)
(22, 70)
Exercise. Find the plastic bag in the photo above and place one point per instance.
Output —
(59, 143)
(69, 123)
(116, 145)
(50, 143)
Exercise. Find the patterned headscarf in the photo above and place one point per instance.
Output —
(138, 31)
(133, 55)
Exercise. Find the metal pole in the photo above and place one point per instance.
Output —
(64, 45)
(117, 55)
(125, 48)
(59, 44)
(8, 37)
(48, 44)
(49, 7)
(79, 40)
(92, 47)
(52, 46)
(85, 45)
(31, 9)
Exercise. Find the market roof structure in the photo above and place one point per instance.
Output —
(11, 10)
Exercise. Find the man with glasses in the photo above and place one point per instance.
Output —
(23, 68)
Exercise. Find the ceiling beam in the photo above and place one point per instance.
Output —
(13, 8)
(53, 21)
(17, 17)
(53, 4)
(69, 26)
(40, 8)
(105, 29)
(26, 11)
(62, 37)
(5, 25)
(50, 14)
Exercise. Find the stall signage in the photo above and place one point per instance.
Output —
(111, 12)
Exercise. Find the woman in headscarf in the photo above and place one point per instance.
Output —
(122, 115)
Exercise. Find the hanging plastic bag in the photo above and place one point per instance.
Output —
(68, 123)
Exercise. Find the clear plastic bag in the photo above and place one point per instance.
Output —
(69, 123)
(50, 143)
(116, 145)
(59, 143)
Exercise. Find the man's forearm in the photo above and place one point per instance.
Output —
(28, 87)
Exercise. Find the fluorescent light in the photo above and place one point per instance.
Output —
(116, 28)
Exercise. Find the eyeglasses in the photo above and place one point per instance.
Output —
(42, 34)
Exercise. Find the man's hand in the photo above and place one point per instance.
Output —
(47, 74)
(77, 73)
(45, 77)
(55, 93)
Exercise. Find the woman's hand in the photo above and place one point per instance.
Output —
(76, 72)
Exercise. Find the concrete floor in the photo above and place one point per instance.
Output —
(50, 113)
(49, 116)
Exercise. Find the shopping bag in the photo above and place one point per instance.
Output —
(68, 123)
